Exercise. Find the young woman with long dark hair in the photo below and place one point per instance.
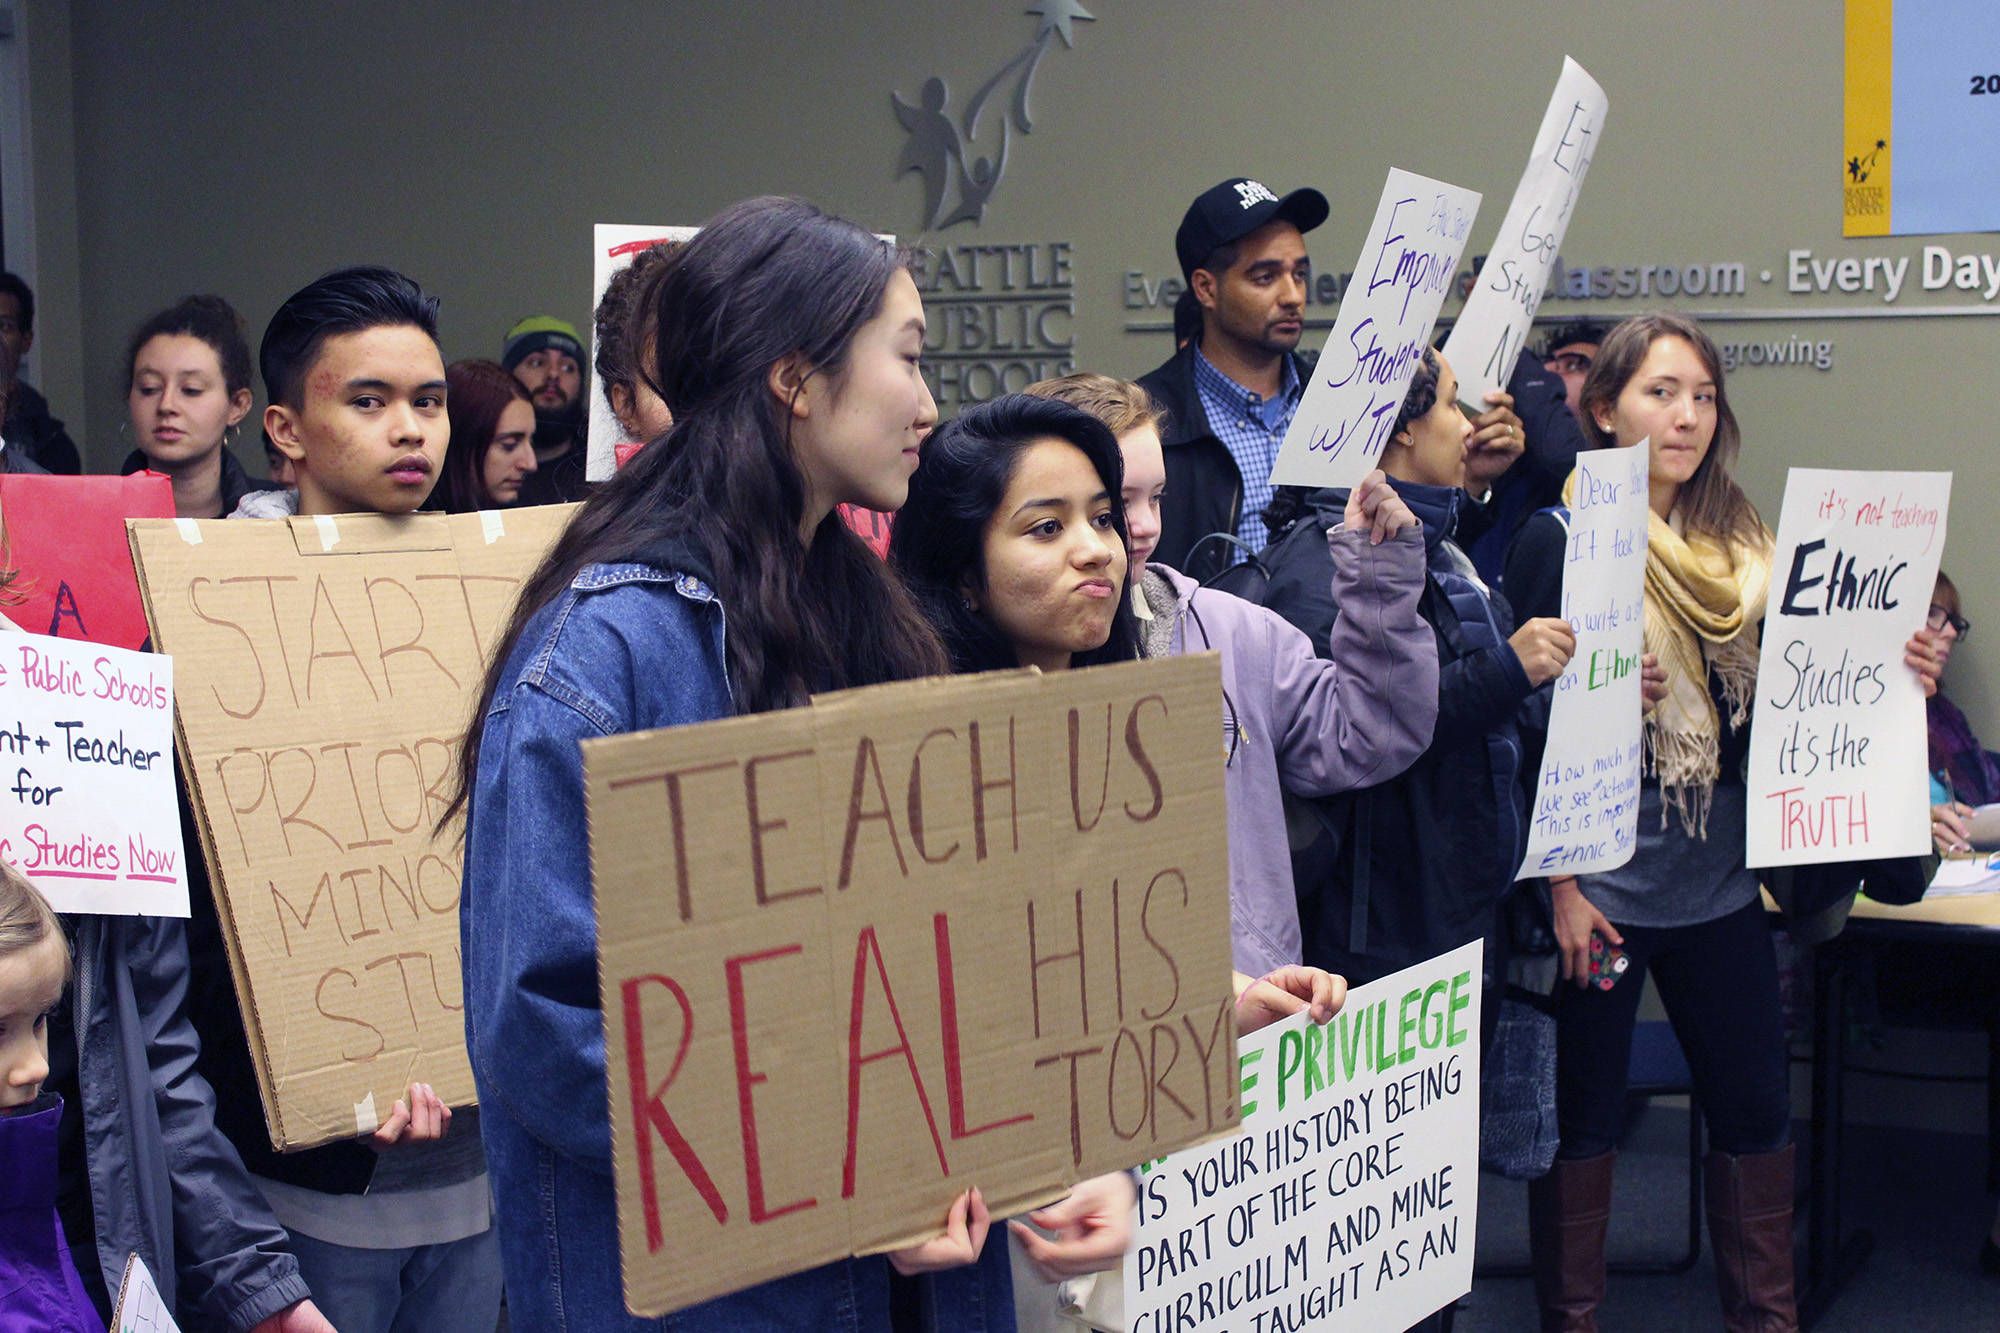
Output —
(1014, 541)
(492, 449)
(1685, 908)
(709, 576)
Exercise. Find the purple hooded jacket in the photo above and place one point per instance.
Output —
(1293, 721)
(39, 1289)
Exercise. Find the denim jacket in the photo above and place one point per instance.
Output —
(626, 647)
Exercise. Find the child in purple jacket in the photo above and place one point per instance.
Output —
(39, 1288)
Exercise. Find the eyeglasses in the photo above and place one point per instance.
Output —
(1568, 363)
(1939, 617)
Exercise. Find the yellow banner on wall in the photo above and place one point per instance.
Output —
(1923, 84)
(1865, 135)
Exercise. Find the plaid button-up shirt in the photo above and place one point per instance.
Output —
(1251, 427)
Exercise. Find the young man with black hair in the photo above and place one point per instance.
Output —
(1230, 392)
(392, 1230)
(546, 355)
(29, 430)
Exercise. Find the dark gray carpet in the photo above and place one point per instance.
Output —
(1922, 1195)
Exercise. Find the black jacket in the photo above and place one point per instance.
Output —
(1430, 855)
(1204, 487)
(30, 429)
(236, 483)
(1536, 480)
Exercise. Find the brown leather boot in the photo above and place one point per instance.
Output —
(1568, 1210)
(1750, 1230)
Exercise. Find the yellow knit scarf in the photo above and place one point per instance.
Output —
(1704, 604)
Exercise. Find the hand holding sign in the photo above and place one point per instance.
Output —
(1587, 800)
(1344, 421)
(1349, 1195)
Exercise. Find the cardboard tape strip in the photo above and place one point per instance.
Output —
(329, 535)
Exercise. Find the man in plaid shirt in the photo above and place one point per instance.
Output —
(1229, 394)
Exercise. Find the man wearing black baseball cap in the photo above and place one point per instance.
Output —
(1229, 395)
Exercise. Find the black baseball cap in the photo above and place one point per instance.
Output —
(1234, 209)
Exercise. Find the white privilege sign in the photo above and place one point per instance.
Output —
(1838, 755)
(1490, 331)
(87, 803)
(1405, 269)
(1586, 813)
(1350, 1192)
(613, 246)
(139, 1308)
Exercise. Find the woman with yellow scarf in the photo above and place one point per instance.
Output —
(1685, 907)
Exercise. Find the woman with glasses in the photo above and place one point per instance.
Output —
(1964, 773)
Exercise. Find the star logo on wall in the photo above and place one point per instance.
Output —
(960, 172)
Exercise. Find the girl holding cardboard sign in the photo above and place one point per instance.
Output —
(710, 576)
(1685, 907)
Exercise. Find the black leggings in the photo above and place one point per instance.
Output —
(1719, 981)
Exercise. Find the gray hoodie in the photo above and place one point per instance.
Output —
(1293, 721)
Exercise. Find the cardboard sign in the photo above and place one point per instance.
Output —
(64, 537)
(1349, 1196)
(329, 668)
(1489, 334)
(612, 248)
(139, 1308)
(1838, 752)
(1586, 816)
(1406, 266)
(861, 956)
(87, 803)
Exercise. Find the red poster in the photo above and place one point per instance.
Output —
(871, 525)
(65, 539)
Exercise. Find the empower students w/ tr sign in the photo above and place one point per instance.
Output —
(1406, 266)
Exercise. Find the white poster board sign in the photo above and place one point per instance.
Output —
(1586, 813)
(1838, 752)
(1487, 339)
(1400, 280)
(87, 804)
(139, 1308)
(1349, 1195)
(612, 246)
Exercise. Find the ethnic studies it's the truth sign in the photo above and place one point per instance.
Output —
(1837, 752)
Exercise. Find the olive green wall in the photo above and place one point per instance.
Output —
(243, 148)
